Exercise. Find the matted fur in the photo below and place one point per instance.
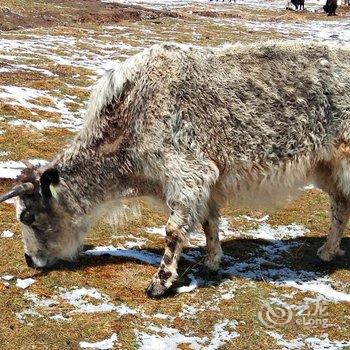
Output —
(252, 117)
(197, 127)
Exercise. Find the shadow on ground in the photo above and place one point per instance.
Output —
(275, 261)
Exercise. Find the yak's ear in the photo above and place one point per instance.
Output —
(48, 180)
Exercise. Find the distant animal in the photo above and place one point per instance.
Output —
(330, 7)
(299, 4)
(197, 128)
(224, 0)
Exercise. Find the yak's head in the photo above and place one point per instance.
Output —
(50, 231)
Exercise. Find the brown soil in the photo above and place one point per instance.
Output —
(19, 14)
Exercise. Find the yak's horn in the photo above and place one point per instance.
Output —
(25, 188)
(27, 163)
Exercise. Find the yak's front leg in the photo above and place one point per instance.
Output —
(167, 272)
(340, 211)
(189, 181)
(211, 230)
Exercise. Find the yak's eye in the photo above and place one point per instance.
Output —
(27, 217)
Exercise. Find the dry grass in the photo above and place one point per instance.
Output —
(123, 279)
(28, 143)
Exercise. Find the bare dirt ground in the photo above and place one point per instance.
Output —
(267, 294)
(46, 13)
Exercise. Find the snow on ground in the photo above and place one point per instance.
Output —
(25, 98)
(262, 264)
(97, 51)
(24, 283)
(78, 298)
(7, 277)
(11, 169)
(171, 4)
(81, 300)
(104, 344)
(322, 343)
(7, 234)
(143, 256)
(166, 338)
(314, 30)
(263, 231)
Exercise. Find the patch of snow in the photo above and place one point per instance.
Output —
(198, 237)
(80, 298)
(125, 310)
(40, 302)
(313, 5)
(264, 231)
(267, 232)
(166, 338)
(194, 283)
(309, 187)
(24, 68)
(7, 277)
(7, 234)
(221, 335)
(59, 318)
(257, 268)
(320, 286)
(163, 316)
(312, 30)
(142, 255)
(24, 283)
(77, 298)
(133, 242)
(227, 290)
(321, 343)
(22, 316)
(3, 153)
(263, 219)
(11, 169)
(21, 95)
(25, 97)
(156, 230)
(188, 311)
(103, 345)
(39, 124)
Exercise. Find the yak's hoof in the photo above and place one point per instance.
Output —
(319, 262)
(156, 290)
(206, 273)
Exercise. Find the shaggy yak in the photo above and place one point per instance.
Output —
(299, 4)
(330, 7)
(195, 128)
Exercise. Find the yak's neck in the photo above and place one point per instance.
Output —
(89, 177)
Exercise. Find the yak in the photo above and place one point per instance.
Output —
(330, 7)
(299, 4)
(197, 128)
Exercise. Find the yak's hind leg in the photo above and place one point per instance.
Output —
(211, 230)
(334, 178)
